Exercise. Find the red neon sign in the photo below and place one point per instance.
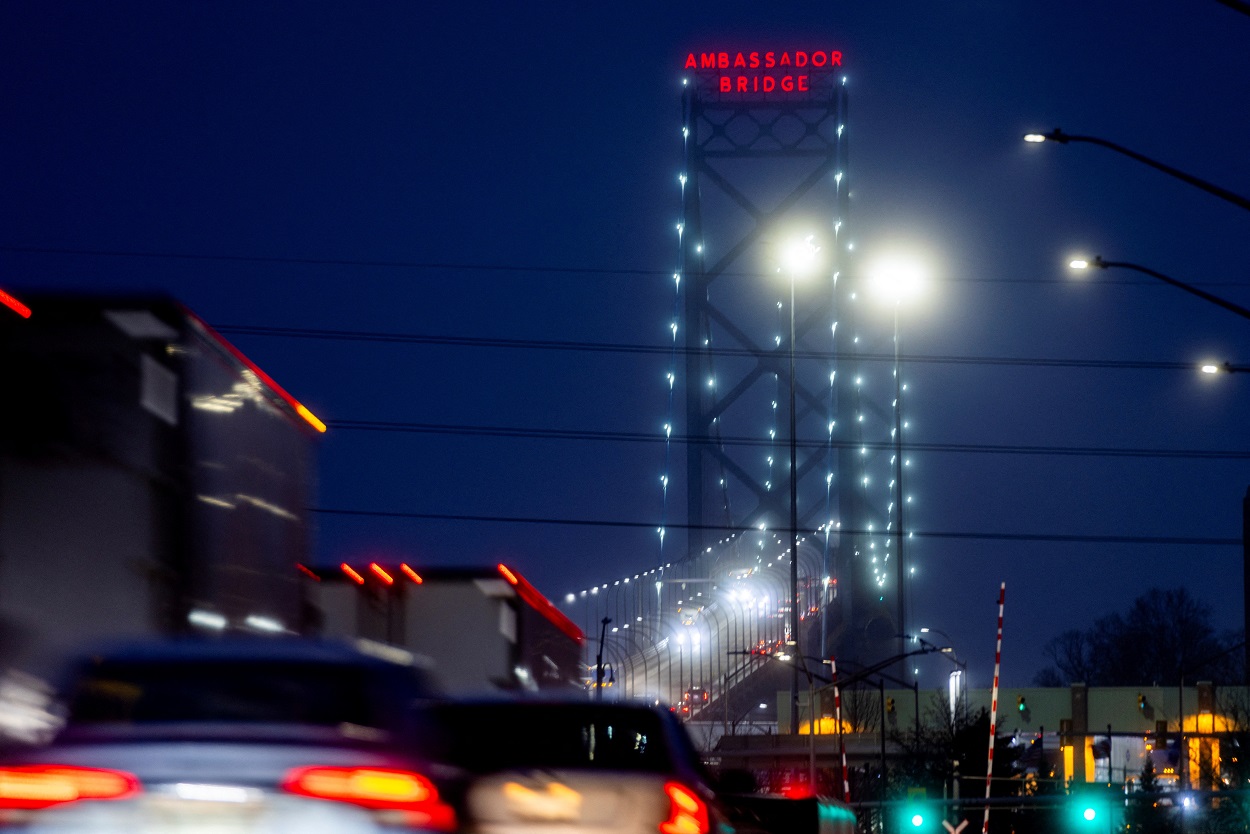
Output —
(763, 72)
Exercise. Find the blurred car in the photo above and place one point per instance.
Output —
(534, 767)
(230, 735)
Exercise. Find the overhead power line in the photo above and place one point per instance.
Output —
(667, 350)
(384, 263)
(516, 432)
(1077, 538)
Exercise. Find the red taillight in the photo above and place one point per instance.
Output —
(380, 789)
(687, 813)
(41, 786)
(798, 791)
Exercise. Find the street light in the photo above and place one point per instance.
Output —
(1213, 369)
(1062, 138)
(958, 679)
(800, 257)
(1083, 264)
(603, 631)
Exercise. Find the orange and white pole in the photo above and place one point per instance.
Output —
(998, 662)
(837, 712)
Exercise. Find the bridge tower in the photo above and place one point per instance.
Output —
(766, 138)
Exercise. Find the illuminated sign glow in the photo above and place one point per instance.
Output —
(763, 72)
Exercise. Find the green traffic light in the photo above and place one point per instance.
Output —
(1089, 814)
(917, 820)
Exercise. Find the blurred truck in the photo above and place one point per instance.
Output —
(152, 479)
(483, 628)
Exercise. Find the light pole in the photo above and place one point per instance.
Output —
(898, 279)
(799, 259)
(1082, 264)
(958, 680)
(1062, 138)
(603, 633)
(1227, 367)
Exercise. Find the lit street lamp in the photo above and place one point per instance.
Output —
(1223, 368)
(958, 680)
(1062, 138)
(1082, 264)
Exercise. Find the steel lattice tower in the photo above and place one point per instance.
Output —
(760, 167)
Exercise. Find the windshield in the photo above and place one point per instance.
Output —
(310, 693)
(490, 737)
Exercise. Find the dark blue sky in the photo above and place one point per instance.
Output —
(509, 171)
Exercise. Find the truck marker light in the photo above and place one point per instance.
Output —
(381, 573)
(42, 786)
(355, 577)
(309, 417)
(687, 812)
(411, 574)
(14, 305)
(534, 599)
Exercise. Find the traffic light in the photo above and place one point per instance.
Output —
(889, 705)
(919, 818)
(1141, 702)
(1089, 812)
(1021, 704)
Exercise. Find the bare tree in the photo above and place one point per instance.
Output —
(1162, 636)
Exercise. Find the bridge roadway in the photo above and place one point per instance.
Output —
(708, 636)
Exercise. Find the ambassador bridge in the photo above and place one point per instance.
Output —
(784, 421)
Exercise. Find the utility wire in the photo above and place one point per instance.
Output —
(1205, 541)
(471, 267)
(667, 350)
(516, 432)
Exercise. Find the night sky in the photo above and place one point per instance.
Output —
(509, 172)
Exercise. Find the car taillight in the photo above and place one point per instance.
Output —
(41, 786)
(379, 789)
(687, 813)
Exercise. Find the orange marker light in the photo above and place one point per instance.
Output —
(411, 574)
(357, 578)
(381, 574)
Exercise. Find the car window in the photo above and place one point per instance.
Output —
(130, 692)
(483, 738)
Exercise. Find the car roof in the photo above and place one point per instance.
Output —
(244, 648)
